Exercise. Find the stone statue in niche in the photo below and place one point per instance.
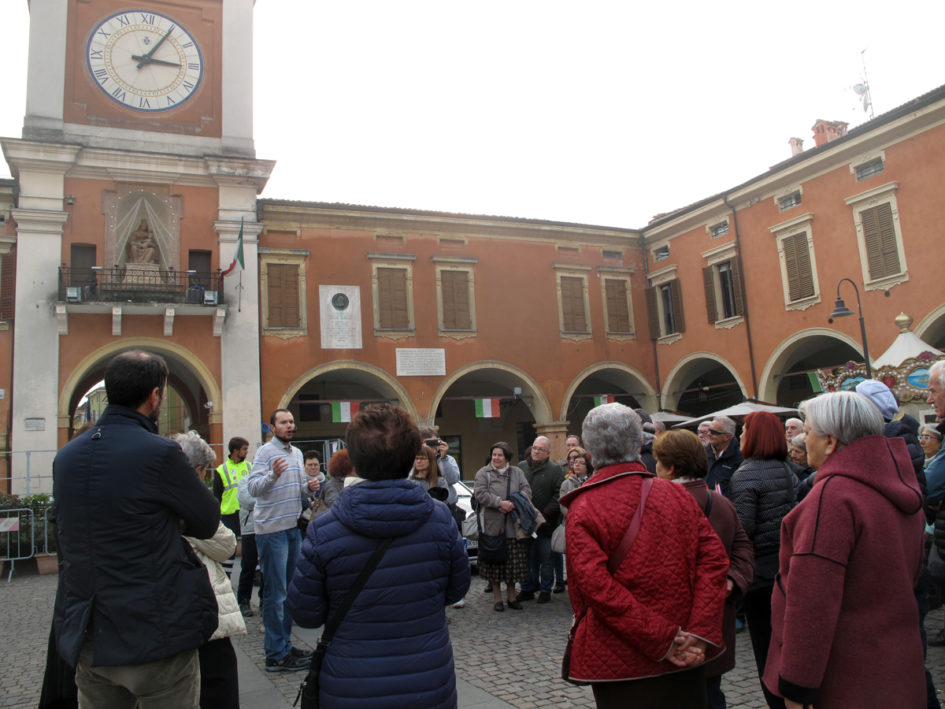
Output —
(141, 246)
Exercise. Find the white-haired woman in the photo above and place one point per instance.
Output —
(644, 618)
(850, 555)
(219, 681)
(931, 441)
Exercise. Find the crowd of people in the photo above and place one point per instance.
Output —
(811, 532)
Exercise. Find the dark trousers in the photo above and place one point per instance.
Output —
(541, 574)
(231, 522)
(670, 691)
(713, 692)
(219, 680)
(248, 562)
(757, 604)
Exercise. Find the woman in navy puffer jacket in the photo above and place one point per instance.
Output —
(392, 649)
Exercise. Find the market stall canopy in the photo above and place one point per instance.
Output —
(668, 417)
(740, 411)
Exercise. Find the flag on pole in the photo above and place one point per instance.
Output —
(238, 258)
(605, 399)
(342, 411)
(487, 408)
(814, 383)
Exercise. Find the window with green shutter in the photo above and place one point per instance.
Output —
(879, 235)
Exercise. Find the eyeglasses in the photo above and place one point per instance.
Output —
(928, 437)
(543, 450)
(578, 460)
(713, 432)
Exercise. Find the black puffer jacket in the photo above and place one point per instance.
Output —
(763, 491)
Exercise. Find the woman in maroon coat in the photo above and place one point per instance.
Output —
(843, 614)
(680, 457)
(643, 631)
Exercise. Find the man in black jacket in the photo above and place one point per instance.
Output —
(133, 602)
(724, 454)
(545, 478)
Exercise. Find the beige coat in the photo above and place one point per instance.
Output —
(489, 490)
(211, 552)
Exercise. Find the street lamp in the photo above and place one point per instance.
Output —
(840, 310)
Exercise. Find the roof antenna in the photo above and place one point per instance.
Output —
(863, 89)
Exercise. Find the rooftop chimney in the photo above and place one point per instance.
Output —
(797, 146)
(826, 131)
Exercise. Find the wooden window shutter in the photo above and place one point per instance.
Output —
(283, 294)
(572, 304)
(797, 264)
(618, 313)
(455, 293)
(7, 285)
(392, 294)
(708, 280)
(879, 233)
(652, 312)
(737, 288)
(675, 291)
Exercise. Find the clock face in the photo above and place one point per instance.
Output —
(144, 60)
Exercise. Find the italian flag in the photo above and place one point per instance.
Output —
(342, 411)
(238, 257)
(605, 399)
(487, 408)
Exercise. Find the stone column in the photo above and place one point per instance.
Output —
(557, 433)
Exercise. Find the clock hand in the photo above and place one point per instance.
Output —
(149, 60)
(146, 59)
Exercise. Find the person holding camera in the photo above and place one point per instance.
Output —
(449, 472)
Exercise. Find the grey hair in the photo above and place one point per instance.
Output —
(707, 423)
(845, 415)
(197, 450)
(930, 429)
(799, 442)
(543, 439)
(727, 424)
(612, 434)
(939, 369)
(793, 420)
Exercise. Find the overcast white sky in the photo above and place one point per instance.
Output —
(594, 112)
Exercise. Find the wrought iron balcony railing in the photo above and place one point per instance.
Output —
(139, 283)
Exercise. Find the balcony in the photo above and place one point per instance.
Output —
(139, 284)
(140, 289)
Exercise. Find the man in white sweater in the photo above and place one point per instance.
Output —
(279, 483)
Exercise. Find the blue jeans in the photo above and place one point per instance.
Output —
(541, 573)
(278, 552)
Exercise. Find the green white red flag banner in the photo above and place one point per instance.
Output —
(342, 411)
(604, 399)
(487, 408)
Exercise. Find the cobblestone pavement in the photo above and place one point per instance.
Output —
(513, 656)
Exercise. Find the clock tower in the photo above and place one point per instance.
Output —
(136, 177)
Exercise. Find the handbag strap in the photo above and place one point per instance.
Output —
(631, 534)
(335, 620)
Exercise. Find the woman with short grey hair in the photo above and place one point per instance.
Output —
(930, 440)
(864, 514)
(219, 681)
(613, 435)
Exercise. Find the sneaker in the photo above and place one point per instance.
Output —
(247, 610)
(543, 597)
(289, 663)
(525, 596)
(461, 603)
(299, 652)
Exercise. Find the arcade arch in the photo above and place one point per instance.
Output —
(702, 382)
(784, 380)
(522, 414)
(932, 328)
(625, 383)
(188, 376)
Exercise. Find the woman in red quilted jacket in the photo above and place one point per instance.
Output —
(641, 633)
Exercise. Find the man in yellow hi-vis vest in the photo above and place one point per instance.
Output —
(224, 487)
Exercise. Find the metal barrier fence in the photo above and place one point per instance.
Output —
(17, 536)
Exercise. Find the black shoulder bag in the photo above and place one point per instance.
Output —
(308, 690)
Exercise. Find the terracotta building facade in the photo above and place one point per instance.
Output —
(128, 203)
